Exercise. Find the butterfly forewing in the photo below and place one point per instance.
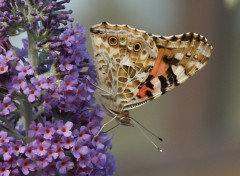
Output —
(179, 57)
(135, 67)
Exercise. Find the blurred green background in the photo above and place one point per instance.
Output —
(200, 120)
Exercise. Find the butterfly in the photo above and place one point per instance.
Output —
(135, 67)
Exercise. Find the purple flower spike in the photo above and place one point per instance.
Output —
(44, 83)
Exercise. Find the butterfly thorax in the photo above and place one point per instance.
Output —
(122, 117)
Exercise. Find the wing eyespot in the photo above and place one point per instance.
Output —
(137, 47)
(122, 40)
(130, 44)
(112, 40)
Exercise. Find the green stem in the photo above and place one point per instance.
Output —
(32, 51)
(27, 112)
(32, 43)
(10, 130)
(25, 108)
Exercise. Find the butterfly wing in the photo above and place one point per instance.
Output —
(179, 57)
(124, 58)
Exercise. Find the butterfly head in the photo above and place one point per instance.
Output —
(124, 118)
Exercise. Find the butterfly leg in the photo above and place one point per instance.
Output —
(105, 125)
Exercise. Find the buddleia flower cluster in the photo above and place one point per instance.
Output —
(49, 118)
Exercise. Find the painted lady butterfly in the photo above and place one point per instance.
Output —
(135, 67)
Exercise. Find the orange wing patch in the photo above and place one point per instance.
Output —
(159, 69)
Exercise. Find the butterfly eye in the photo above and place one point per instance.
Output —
(112, 40)
(137, 47)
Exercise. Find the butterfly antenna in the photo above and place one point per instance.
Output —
(105, 125)
(95, 85)
(160, 139)
(147, 137)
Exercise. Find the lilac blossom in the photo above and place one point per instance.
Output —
(59, 151)
(45, 86)
(82, 134)
(3, 67)
(67, 37)
(25, 69)
(50, 82)
(40, 82)
(18, 148)
(19, 82)
(67, 142)
(6, 151)
(99, 159)
(7, 106)
(64, 165)
(35, 129)
(78, 149)
(41, 149)
(8, 57)
(26, 165)
(65, 64)
(85, 160)
(64, 129)
(4, 138)
(4, 169)
(48, 131)
(32, 92)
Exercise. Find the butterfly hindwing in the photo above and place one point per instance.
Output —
(124, 57)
